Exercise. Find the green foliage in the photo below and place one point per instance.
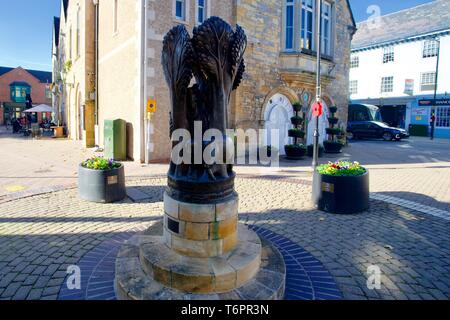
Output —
(297, 106)
(100, 163)
(342, 169)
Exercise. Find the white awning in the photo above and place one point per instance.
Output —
(40, 109)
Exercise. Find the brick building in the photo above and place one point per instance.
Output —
(280, 63)
(16, 84)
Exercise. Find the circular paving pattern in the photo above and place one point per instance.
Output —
(306, 278)
(42, 235)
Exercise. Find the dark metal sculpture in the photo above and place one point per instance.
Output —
(214, 57)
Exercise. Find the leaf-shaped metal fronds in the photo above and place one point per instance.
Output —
(239, 75)
(238, 46)
(177, 58)
(211, 42)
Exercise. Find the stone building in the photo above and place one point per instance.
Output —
(16, 84)
(280, 63)
(73, 69)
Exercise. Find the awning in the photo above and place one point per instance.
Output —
(40, 109)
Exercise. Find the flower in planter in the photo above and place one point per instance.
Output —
(100, 163)
(342, 169)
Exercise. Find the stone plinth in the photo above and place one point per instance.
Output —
(202, 253)
(147, 270)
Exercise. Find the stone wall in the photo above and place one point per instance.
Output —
(270, 71)
(161, 20)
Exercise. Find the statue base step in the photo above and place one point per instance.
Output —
(147, 269)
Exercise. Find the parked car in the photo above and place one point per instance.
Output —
(374, 130)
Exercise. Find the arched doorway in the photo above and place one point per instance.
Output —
(277, 115)
(323, 125)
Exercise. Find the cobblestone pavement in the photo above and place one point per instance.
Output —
(41, 235)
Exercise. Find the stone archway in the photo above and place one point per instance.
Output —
(277, 115)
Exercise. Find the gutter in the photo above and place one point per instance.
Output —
(96, 4)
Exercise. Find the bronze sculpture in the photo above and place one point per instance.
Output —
(214, 57)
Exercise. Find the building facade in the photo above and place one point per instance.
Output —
(401, 64)
(280, 62)
(18, 83)
(74, 70)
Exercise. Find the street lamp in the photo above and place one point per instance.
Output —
(315, 162)
(433, 117)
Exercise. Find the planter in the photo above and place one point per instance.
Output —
(297, 107)
(296, 121)
(333, 109)
(333, 131)
(342, 195)
(102, 186)
(332, 147)
(295, 152)
(311, 151)
(333, 121)
(293, 133)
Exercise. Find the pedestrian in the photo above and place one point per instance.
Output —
(432, 124)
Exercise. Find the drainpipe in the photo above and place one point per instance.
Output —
(96, 3)
(145, 122)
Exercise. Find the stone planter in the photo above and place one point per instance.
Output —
(102, 186)
(342, 195)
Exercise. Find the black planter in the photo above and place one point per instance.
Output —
(311, 151)
(333, 110)
(333, 131)
(333, 121)
(296, 121)
(343, 195)
(294, 153)
(102, 186)
(296, 134)
(332, 147)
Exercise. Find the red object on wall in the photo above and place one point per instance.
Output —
(317, 109)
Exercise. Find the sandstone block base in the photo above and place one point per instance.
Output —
(147, 269)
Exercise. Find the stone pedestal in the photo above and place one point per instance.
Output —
(202, 254)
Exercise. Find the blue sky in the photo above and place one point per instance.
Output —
(26, 28)
(359, 7)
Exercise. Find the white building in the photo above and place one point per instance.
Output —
(394, 62)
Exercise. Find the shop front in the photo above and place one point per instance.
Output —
(421, 114)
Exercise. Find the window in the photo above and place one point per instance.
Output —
(387, 84)
(427, 81)
(78, 40)
(19, 91)
(115, 16)
(201, 11)
(353, 87)
(289, 32)
(70, 43)
(180, 9)
(354, 61)
(307, 33)
(443, 117)
(325, 24)
(48, 93)
(388, 54)
(430, 48)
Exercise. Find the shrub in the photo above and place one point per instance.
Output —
(100, 163)
(342, 169)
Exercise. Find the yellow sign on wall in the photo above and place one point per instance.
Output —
(151, 105)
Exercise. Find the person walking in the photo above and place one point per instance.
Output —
(432, 124)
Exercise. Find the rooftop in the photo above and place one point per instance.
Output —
(42, 76)
(423, 19)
